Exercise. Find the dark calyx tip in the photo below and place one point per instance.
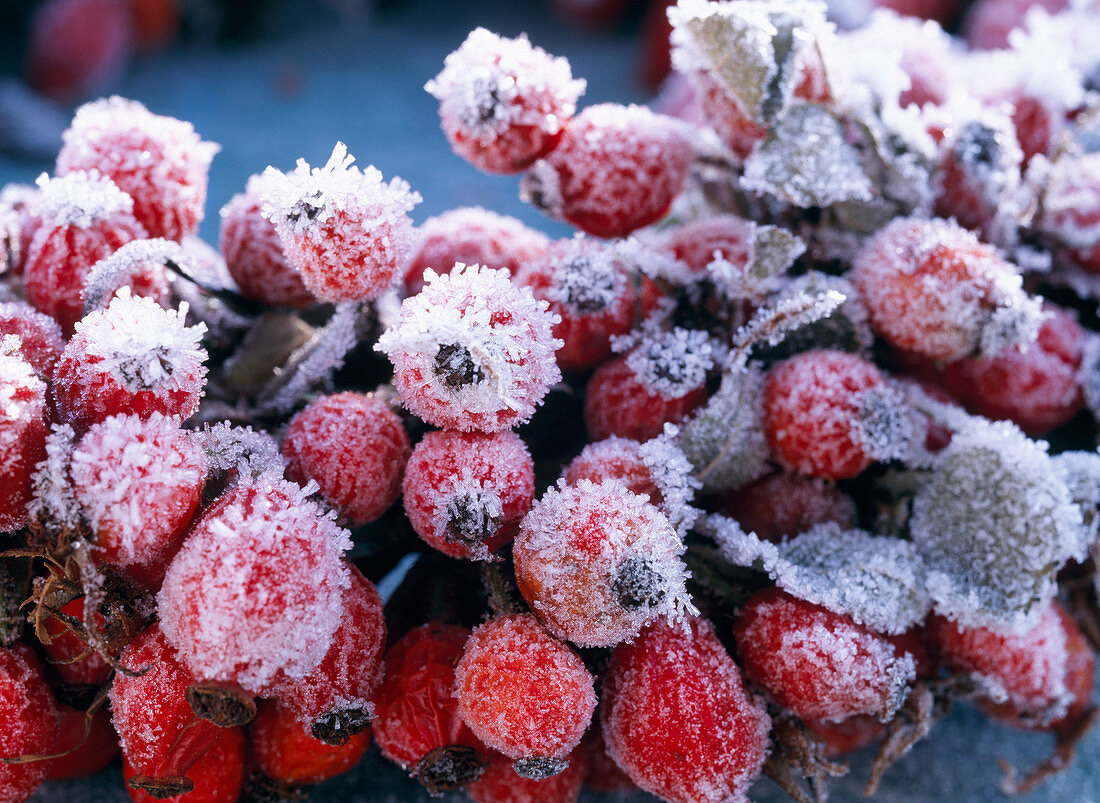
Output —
(638, 585)
(455, 366)
(161, 788)
(538, 767)
(337, 726)
(450, 767)
(225, 704)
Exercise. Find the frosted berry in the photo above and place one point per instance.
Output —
(140, 265)
(616, 169)
(465, 493)
(156, 23)
(81, 218)
(23, 416)
(472, 351)
(473, 236)
(501, 783)
(30, 718)
(254, 253)
(417, 723)
(590, 289)
(40, 339)
(932, 288)
(830, 414)
(263, 602)
(131, 358)
(1038, 387)
(335, 701)
(698, 243)
(524, 693)
(635, 395)
(989, 22)
(218, 775)
(290, 756)
(678, 718)
(78, 47)
(503, 102)
(139, 483)
(1042, 677)
(161, 737)
(345, 231)
(75, 663)
(597, 563)
(92, 753)
(817, 663)
(1070, 210)
(354, 447)
(158, 161)
(784, 504)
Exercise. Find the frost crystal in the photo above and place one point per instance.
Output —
(1089, 373)
(79, 199)
(670, 363)
(1081, 473)
(885, 423)
(129, 263)
(248, 452)
(672, 474)
(587, 279)
(846, 328)
(773, 323)
(53, 502)
(994, 524)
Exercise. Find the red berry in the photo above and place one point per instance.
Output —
(256, 590)
(78, 47)
(40, 337)
(473, 236)
(524, 693)
(817, 663)
(597, 563)
(253, 251)
(30, 718)
(616, 169)
(156, 23)
(678, 718)
(592, 13)
(782, 505)
(355, 447)
(75, 662)
(989, 22)
(131, 358)
(158, 161)
(286, 753)
(501, 783)
(345, 231)
(503, 102)
(465, 493)
(81, 218)
(139, 483)
(1071, 209)
(93, 751)
(417, 723)
(218, 775)
(697, 243)
(472, 351)
(23, 416)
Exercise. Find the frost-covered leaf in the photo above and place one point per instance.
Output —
(672, 474)
(774, 249)
(53, 506)
(249, 452)
(774, 322)
(846, 328)
(124, 266)
(806, 160)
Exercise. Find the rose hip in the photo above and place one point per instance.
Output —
(23, 416)
(287, 754)
(30, 718)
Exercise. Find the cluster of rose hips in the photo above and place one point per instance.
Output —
(748, 464)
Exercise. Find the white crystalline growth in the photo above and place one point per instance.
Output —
(80, 199)
(124, 266)
(670, 363)
(234, 448)
(994, 523)
(672, 473)
(52, 498)
(588, 277)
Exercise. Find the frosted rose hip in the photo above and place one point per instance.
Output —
(783, 505)
(40, 337)
(23, 417)
(288, 755)
(30, 716)
(355, 447)
(501, 784)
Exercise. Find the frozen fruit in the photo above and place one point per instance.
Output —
(158, 161)
(597, 563)
(616, 169)
(465, 493)
(989, 22)
(218, 774)
(74, 661)
(291, 756)
(40, 340)
(140, 265)
(23, 427)
(77, 47)
(30, 719)
(131, 358)
(502, 784)
(524, 693)
(784, 504)
(503, 102)
(354, 447)
(677, 716)
(93, 746)
(1071, 209)
(472, 351)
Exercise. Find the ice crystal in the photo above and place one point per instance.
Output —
(53, 503)
(846, 328)
(1089, 373)
(80, 199)
(670, 363)
(885, 423)
(588, 277)
(124, 266)
(1080, 471)
(234, 448)
(674, 478)
(773, 323)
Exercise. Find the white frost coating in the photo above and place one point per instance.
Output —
(489, 83)
(670, 363)
(886, 426)
(587, 277)
(1089, 374)
(1071, 198)
(125, 265)
(773, 323)
(994, 524)
(241, 449)
(480, 503)
(672, 473)
(52, 489)
(80, 199)
(1081, 473)
(142, 345)
(737, 546)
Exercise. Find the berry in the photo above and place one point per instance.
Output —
(74, 661)
(344, 230)
(698, 243)
(158, 161)
(417, 723)
(334, 701)
(465, 493)
(597, 563)
(677, 716)
(92, 750)
(501, 783)
(1071, 209)
(616, 169)
(139, 265)
(473, 236)
(41, 342)
(139, 484)
(989, 22)
(355, 447)
(932, 288)
(131, 358)
(218, 775)
(817, 663)
(635, 396)
(524, 694)
(81, 218)
(30, 718)
(1042, 677)
(161, 737)
(23, 417)
(156, 23)
(830, 414)
(264, 602)
(503, 102)
(78, 47)
(472, 351)
(290, 756)
(782, 505)
(253, 250)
